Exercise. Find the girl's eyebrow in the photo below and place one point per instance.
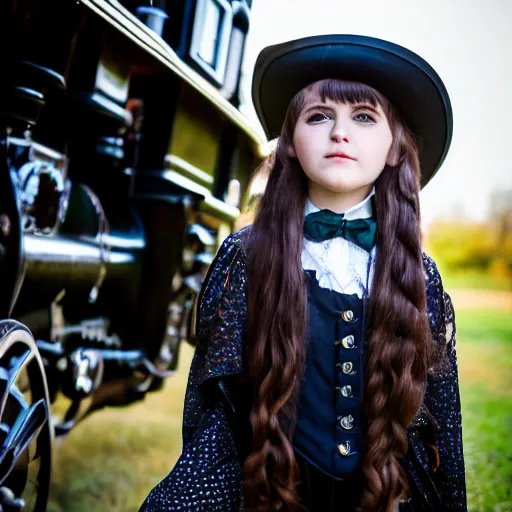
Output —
(324, 106)
(316, 105)
(367, 106)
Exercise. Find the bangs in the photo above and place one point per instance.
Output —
(341, 91)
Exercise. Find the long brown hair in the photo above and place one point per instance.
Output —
(398, 344)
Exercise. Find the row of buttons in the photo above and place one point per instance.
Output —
(348, 342)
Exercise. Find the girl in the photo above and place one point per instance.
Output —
(325, 376)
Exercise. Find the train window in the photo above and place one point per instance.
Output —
(236, 50)
(210, 37)
(209, 47)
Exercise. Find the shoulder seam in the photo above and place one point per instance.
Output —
(236, 239)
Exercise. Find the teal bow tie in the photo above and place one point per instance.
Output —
(323, 225)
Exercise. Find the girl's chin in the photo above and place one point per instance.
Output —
(343, 188)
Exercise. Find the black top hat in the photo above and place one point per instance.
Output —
(403, 77)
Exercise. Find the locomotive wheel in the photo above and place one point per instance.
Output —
(26, 433)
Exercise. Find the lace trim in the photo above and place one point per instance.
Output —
(339, 265)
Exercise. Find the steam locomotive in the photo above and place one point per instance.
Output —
(124, 159)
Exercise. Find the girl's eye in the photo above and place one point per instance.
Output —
(364, 118)
(315, 118)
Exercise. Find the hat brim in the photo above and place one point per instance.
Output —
(403, 77)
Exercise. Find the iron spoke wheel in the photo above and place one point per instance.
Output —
(26, 433)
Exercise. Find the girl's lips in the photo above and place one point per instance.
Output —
(340, 155)
(337, 158)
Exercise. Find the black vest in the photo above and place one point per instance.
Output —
(328, 432)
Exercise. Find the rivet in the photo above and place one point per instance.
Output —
(5, 225)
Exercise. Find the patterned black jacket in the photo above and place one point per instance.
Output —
(208, 474)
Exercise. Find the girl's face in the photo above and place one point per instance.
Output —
(342, 147)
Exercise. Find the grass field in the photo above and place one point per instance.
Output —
(111, 461)
(485, 368)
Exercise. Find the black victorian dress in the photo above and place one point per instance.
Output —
(216, 439)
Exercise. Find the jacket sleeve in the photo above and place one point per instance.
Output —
(443, 402)
(208, 474)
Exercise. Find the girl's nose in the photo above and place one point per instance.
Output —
(339, 133)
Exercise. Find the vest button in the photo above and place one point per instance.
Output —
(347, 368)
(347, 315)
(347, 422)
(346, 391)
(347, 341)
(344, 448)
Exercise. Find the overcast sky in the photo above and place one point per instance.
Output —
(469, 44)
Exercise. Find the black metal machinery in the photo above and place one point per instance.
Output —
(123, 159)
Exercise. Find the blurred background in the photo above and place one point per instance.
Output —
(112, 461)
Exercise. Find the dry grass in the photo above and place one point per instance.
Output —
(111, 461)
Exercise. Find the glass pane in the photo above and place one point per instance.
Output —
(209, 41)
